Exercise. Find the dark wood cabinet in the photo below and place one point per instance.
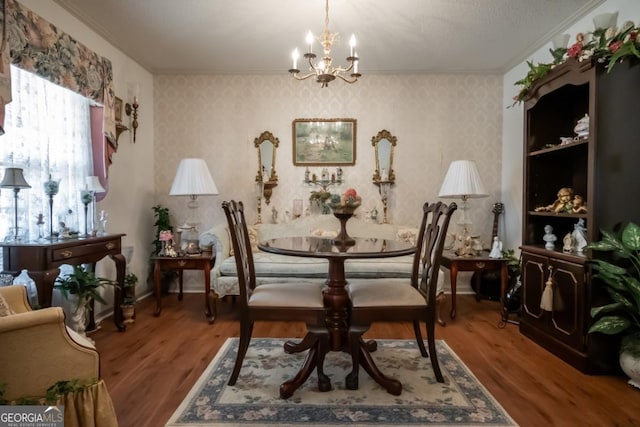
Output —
(602, 167)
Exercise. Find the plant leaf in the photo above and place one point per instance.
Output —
(631, 236)
(610, 325)
(609, 308)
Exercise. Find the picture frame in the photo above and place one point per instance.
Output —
(118, 106)
(324, 142)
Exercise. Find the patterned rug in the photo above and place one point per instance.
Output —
(255, 401)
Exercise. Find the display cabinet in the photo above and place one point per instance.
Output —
(600, 165)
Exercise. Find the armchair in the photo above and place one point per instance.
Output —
(39, 351)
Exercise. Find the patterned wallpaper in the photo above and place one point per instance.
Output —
(436, 119)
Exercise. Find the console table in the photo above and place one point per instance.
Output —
(42, 260)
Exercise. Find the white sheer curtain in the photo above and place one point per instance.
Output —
(48, 132)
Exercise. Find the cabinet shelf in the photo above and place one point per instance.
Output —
(558, 215)
(558, 148)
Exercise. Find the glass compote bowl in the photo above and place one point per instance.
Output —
(343, 213)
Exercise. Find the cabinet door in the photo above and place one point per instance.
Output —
(567, 316)
(534, 274)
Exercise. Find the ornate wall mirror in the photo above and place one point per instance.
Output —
(383, 145)
(266, 178)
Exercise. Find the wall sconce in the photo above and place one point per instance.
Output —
(131, 110)
(259, 187)
(384, 187)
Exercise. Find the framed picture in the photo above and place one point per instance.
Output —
(118, 110)
(324, 142)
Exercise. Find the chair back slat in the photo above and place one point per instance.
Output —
(433, 231)
(234, 211)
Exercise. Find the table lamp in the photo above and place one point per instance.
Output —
(463, 181)
(192, 179)
(13, 178)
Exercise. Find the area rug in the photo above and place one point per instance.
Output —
(255, 401)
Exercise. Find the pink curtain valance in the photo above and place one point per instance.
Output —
(33, 44)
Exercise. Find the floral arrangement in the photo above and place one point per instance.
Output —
(165, 236)
(349, 198)
(607, 46)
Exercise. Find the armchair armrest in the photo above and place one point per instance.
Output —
(16, 298)
(218, 236)
(38, 352)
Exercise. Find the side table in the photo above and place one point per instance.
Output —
(203, 261)
(482, 262)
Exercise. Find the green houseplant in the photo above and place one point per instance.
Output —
(80, 287)
(84, 285)
(621, 277)
(162, 223)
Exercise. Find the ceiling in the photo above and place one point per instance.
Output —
(394, 36)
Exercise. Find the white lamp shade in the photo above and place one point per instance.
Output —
(193, 178)
(462, 180)
(92, 183)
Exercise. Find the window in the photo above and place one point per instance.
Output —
(48, 133)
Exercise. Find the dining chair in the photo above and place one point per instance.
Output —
(413, 300)
(295, 301)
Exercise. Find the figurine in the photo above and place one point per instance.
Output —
(562, 204)
(496, 248)
(568, 243)
(582, 127)
(307, 172)
(579, 205)
(464, 246)
(579, 235)
(549, 237)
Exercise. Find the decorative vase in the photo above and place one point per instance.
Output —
(631, 366)
(343, 213)
(76, 314)
(128, 310)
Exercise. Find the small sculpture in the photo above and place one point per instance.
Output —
(549, 237)
(579, 205)
(580, 235)
(562, 204)
(582, 127)
(496, 248)
(568, 243)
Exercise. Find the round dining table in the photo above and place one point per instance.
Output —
(336, 297)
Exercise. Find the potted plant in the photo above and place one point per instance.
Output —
(162, 223)
(621, 277)
(80, 287)
(129, 300)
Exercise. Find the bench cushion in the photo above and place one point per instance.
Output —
(274, 265)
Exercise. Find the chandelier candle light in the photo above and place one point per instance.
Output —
(324, 71)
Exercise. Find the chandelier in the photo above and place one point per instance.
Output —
(323, 70)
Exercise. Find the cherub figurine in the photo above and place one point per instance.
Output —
(562, 204)
(579, 205)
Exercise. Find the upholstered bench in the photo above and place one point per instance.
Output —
(277, 268)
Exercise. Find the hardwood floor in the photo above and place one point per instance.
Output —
(151, 367)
